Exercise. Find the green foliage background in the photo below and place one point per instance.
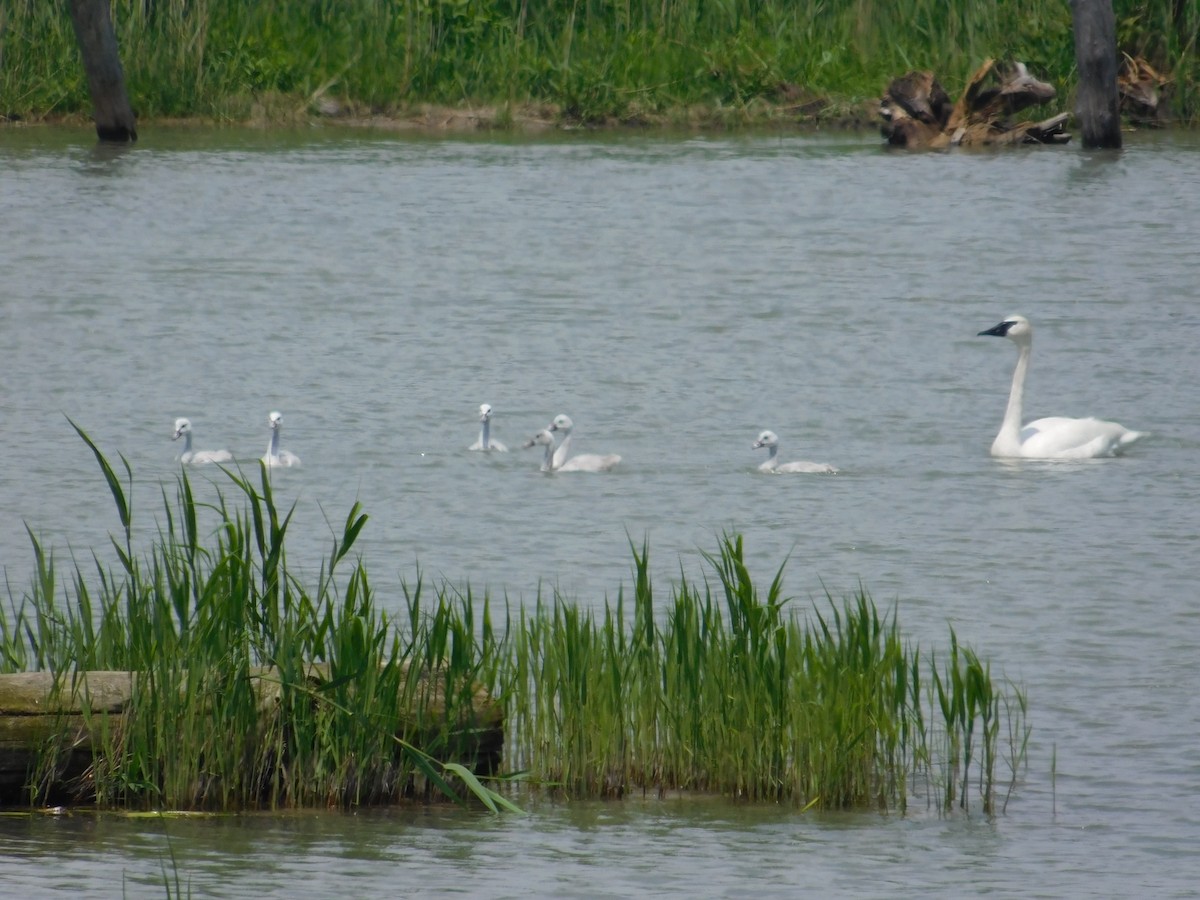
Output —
(590, 59)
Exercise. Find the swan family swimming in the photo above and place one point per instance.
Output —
(272, 458)
(558, 459)
(1055, 437)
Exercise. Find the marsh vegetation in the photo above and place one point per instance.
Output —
(589, 61)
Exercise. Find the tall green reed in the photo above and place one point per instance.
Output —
(729, 692)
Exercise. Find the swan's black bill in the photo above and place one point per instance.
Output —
(1000, 330)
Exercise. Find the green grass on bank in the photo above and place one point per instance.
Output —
(253, 690)
(589, 59)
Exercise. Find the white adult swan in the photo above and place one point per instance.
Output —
(274, 456)
(485, 442)
(770, 440)
(183, 428)
(556, 459)
(1056, 437)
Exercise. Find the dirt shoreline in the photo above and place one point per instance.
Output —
(813, 115)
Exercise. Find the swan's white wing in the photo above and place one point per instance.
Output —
(284, 458)
(808, 468)
(1059, 437)
(210, 456)
(589, 462)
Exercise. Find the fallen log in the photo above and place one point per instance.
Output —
(43, 714)
(916, 110)
(1048, 131)
(985, 101)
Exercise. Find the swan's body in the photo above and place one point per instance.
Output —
(274, 456)
(183, 428)
(556, 459)
(770, 440)
(485, 441)
(1056, 437)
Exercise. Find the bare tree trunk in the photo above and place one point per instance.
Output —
(1096, 58)
(106, 82)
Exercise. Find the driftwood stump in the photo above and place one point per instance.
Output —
(1096, 59)
(917, 112)
(1141, 88)
(102, 63)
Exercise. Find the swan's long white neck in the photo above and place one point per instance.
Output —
(484, 430)
(548, 459)
(770, 462)
(1010, 428)
(273, 447)
(187, 441)
(560, 455)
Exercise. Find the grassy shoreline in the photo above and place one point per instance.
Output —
(722, 686)
(591, 62)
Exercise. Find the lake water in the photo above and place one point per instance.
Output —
(674, 296)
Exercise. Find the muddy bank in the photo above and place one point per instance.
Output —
(531, 118)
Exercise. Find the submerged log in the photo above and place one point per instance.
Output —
(40, 714)
(102, 64)
(917, 112)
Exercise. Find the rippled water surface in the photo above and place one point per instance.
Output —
(675, 296)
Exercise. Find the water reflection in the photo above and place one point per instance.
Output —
(1097, 167)
(107, 158)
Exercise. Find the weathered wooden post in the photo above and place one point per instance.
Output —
(1096, 59)
(101, 62)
